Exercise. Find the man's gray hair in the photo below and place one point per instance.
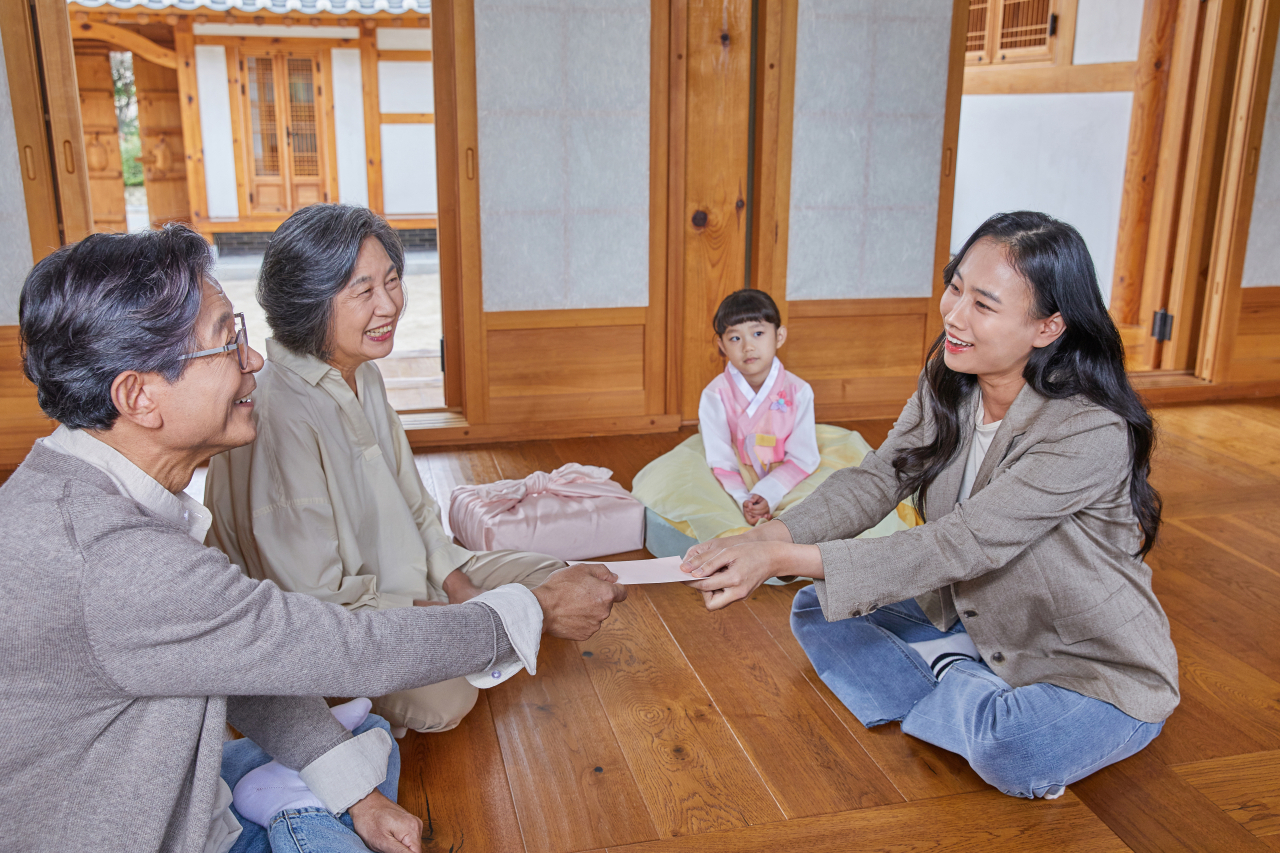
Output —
(308, 262)
(105, 305)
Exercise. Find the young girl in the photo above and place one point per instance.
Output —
(756, 419)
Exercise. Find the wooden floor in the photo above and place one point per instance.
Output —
(678, 730)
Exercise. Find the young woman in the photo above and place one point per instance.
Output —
(1017, 626)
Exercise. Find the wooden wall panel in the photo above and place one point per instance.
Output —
(21, 421)
(1256, 356)
(557, 372)
(101, 137)
(861, 363)
(164, 164)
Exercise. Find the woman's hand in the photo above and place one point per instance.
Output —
(384, 826)
(773, 531)
(732, 573)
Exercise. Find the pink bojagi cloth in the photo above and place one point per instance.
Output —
(575, 513)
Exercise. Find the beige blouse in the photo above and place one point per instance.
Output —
(327, 500)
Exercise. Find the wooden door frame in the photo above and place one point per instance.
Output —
(1239, 178)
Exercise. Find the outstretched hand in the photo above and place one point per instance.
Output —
(729, 569)
(577, 599)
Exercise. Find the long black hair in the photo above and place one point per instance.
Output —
(1086, 359)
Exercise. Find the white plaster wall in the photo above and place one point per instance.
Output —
(404, 38)
(1061, 154)
(348, 120)
(409, 169)
(221, 200)
(1107, 31)
(15, 237)
(1262, 253)
(405, 87)
(870, 101)
(563, 97)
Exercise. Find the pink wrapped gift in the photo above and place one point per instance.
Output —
(575, 513)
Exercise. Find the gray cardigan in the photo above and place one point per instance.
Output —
(1037, 563)
(127, 646)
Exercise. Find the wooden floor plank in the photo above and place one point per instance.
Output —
(1235, 628)
(810, 761)
(519, 460)
(691, 771)
(457, 783)
(1246, 787)
(917, 769)
(1234, 429)
(1237, 577)
(570, 783)
(1154, 810)
(1251, 535)
(986, 822)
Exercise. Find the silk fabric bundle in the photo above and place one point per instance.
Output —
(576, 512)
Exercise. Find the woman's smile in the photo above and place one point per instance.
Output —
(380, 333)
(955, 345)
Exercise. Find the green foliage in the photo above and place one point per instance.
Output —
(130, 150)
(127, 117)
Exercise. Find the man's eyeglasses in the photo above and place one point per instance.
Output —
(240, 345)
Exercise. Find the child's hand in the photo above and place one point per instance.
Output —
(755, 509)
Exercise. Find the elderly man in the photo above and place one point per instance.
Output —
(129, 644)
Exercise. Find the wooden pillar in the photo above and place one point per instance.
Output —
(714, 215)
(184, 44)
(1150, 86)
(372, 113)
(62, 105)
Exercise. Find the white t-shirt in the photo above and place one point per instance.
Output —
(982, 435)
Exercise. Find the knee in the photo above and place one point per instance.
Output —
(451, 711)
(805, 611)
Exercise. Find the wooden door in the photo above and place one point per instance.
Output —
(164, 164)
(101, 136)
(287, 155)
(299, 76)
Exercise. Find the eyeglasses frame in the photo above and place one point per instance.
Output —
(240, 345)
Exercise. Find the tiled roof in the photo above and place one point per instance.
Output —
(306, 7)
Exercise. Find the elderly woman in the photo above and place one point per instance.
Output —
(129, 644)
(327, 500)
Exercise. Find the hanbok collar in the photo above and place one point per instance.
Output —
(755, 398)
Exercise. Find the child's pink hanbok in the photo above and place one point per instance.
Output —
(763, 443)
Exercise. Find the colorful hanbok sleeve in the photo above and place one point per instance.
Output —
(802, 457)
(713, 424)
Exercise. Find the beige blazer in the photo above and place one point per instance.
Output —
(1037, 563)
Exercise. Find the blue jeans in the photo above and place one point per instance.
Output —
(1028, 741)
(300, 830)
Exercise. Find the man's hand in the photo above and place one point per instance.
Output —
(384, 827)
(755, 509)
(575, 600)
(459, 587)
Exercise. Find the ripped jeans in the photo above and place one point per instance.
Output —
(1028, 741)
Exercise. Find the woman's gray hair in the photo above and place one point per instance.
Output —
(308, 262)
(108, 304)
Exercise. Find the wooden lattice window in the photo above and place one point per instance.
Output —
(287, 161)
(1008, 31)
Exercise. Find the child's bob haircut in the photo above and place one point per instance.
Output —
(746, 306)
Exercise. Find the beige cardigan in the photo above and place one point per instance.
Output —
(1037, 563)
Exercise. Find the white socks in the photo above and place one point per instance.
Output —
(266, 791)
(941, 653)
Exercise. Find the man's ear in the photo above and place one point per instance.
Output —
(782, 335)
(133, 395)
(1049, 330)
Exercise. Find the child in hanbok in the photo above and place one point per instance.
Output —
(756, 419)
(758, 452)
